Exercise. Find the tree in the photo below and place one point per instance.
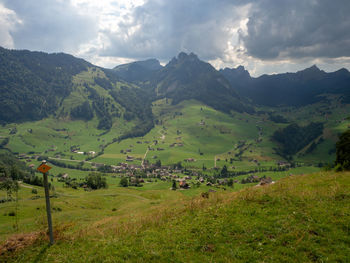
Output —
(224, 171)
(124, 182)
(95, 181)
(174, 185)
(158, 164)
(343, 151)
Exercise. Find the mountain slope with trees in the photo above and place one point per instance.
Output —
(32, 84)
(35, 85)
(187, 77)
(138, 71)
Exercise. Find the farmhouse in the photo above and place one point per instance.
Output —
(65, 176)
(183, 184)
(129, 158)
(264, 181)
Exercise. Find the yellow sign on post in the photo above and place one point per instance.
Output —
(43, 168)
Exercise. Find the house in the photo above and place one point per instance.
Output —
(92, 153)
(183, 184)
(265, 181)
(65, 176)
(189, 160)
(222, 181)
(128, 150)
(283, 163)
(31, 165)
(129, 158)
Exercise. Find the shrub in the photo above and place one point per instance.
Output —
(95, 181)
(343, 152)
(124, 182)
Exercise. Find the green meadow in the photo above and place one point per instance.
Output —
(301, 218)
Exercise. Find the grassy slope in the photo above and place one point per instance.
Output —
(222, 134)
(298, 219)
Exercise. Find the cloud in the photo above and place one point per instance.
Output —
(298, 29)
(263, 35)
(50, 26)
(164, 28)
(8, 22)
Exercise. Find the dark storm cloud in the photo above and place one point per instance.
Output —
(50, 25)
(163, 28)
(298, 29)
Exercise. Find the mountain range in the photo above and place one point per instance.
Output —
(34, 85)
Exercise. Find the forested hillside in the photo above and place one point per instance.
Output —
(32, 84)
(35, 85)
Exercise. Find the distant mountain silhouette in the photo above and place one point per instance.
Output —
(290, 89)
(138, 71)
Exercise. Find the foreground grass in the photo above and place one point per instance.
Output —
(299, 219)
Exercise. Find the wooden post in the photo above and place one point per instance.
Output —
(48, 208)
(43, 168)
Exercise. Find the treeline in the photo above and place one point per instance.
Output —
(293, 138)
(93, 181)
(342, 161)
(137, 104)
(78, 166)
(13, 170)
(82, 112)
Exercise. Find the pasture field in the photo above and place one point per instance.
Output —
(193, 130)
(298, 219)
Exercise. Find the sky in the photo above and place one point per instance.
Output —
(265, 36)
